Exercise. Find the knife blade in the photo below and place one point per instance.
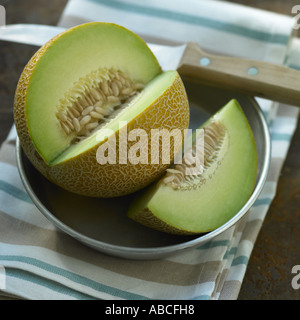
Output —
(251, 77)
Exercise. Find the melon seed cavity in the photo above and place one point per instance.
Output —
(92, 99)
(177, 177)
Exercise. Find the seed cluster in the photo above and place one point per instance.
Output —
(92, 99)
(177, 177)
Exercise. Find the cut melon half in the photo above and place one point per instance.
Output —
(196, 203)
(94, 77)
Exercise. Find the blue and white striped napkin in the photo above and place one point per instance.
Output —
(39, 262)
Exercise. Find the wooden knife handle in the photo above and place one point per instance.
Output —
(254, 78)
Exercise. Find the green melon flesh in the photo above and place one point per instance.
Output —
(229, 183)
(74, 55)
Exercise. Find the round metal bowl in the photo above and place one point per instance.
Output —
(102, 223)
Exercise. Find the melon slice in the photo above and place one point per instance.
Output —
(182, 203)
(94, 77)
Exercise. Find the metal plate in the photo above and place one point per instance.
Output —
(102, 223)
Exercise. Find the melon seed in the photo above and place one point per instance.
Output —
(85, 120)
(87, 110)
(112, 99)
(115, 89)
(96, 94)
(91, 125)
(76, 124)
(96, 115)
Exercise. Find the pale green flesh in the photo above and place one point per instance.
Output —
(75, 54)
(222, 196)
(153, 90)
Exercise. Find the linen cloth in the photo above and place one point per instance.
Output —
(37, 261)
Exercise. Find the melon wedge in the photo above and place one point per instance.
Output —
(204, 202)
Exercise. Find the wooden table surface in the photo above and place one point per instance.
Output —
(277, 248)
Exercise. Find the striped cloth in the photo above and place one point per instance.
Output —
(37, 261)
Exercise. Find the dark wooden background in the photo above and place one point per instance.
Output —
(277, 248)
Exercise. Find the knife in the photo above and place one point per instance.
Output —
(251, 77)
